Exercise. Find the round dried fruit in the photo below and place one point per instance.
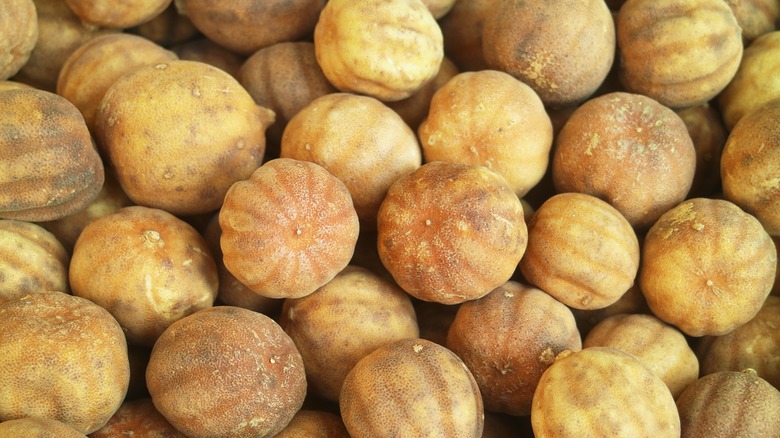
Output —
(451, 232)
(411, 387)
(707, 267)
(660, 347)
(750, 162)
(156, 270)
(755, 82)
(50, 166)
(387, 49)
(92, 68)
(30, 427)
(289, 229)
(628, 150)
(507, 339)
(681, 53)
(602, 392)
(31, 260)
(581, 250)
(358, 139)
(117, 15)
(226, 371)
(344, 320)
(563, 49)
(18, 35)
(491, 119)
(730, 403)
(752, 345)
(63, 358)
(202, 134)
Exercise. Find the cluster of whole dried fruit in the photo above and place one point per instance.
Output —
(389, 218)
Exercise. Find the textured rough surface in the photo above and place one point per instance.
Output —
(50, 166)
(38, 428)
(95, 65)
(343, 321)
(729, 403)
(707, 267)
(18, 37)
(750, 163)
(679, 52)
(114, 15)
(660, 347)
(491, 119)
(155, 269)
(63, 358)
(244, 376)
(361, 141)
(451, 232)
(507, 339)
(181, 154)
(31, 260)
(137, 418)
(289, 229)
(628, 150)
(411, 387)
(581, 250)
(362, 48)
(563, 49)
(602, 392)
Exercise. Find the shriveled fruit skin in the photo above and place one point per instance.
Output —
(359, 140)
(95, 65)
(451, 232)
(226, 371)
(109, 199)
(283, 77)
(752, 345)
(730, 404)
(707, 266)
(489, 118)
(602, 392)
(749, 165)
(60, 32)
(19, 24)
(681, 53)
(137, 417)
(156, 270)
(343, 321)
(507, 339)
(31, 260)
(563, 49)
(754, 84)
(51, 166)
(61, 357)
(113, 15)
(182, 154)
(30, 427)
(628, 150)
(581, 250)
(246, 26)
(411, 387)
(309, 423)
(414, 109)
(660, 347)
(755, 17)
(231, 291)
(361, 51)
(288, 229)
